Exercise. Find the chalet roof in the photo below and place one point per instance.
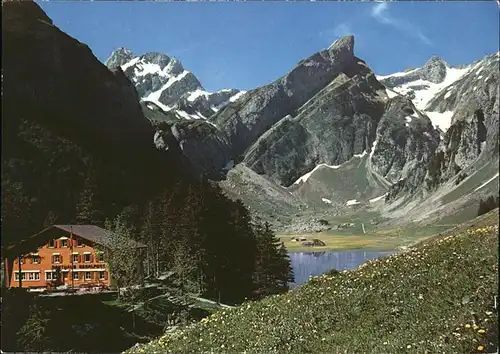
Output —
(89, 232)
(100, 236)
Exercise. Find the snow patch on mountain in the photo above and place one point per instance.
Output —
(129, 64)
(391, 93)
(423, 96)
(405, 73)
(189, 116)
(195, 94)
(422, 90)
(327, 201)
(485, 183)
(154, 99)
(308, 174)
(377, 198)
(237, 96)
(372, 151)
(441, 120)
(360, 155)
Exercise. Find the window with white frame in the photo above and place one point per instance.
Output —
(50, 275)
(52, 244)
(74, 257)
(75, 275)
(87, 257)
(16, 276)
(102, 275)
(56, 258)
(64, 243)
(28, 276)
(36, 259)
(88, 276)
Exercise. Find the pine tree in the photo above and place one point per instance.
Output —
(123, 262)
(273, 271)
(184, 266)
(149, 230)
(169, 214)
(191, 234)
(87, 208)
(482, 208)
(33, 335)
(243, 250)
(489, 204)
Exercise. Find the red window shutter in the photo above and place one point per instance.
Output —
(105, 275)
(91, 258)
(52, 259)
(61, 258)
(79, 258)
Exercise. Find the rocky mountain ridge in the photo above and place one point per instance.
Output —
(471, 103)
(330, 117)
(399, 153)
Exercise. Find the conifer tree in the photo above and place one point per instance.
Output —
(273, 271)
(87, 209)
(123, 262)
(149, 235)
(33, 335)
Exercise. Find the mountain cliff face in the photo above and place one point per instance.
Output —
(406, 141)
(258, 110)
(471, 104)
(337, 123)
(328, 109)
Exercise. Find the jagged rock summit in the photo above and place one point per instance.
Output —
(119, 57)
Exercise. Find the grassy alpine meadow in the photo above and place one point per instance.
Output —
(436, 297)
(375, 239)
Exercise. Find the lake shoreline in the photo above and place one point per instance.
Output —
(333, 249)
(307, 264)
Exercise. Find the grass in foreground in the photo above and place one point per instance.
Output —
(438, 297)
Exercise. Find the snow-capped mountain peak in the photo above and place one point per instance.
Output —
(162, 80)
(424, 85)
(119, 57)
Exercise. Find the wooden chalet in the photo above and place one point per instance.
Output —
(63, 255)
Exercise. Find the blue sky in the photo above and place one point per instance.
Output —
(248, 44)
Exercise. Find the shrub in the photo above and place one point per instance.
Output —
(487, 205)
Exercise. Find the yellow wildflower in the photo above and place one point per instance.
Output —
(480, 348)
(481, 331)
(467, 325)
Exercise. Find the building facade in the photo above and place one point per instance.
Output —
(69, 255)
